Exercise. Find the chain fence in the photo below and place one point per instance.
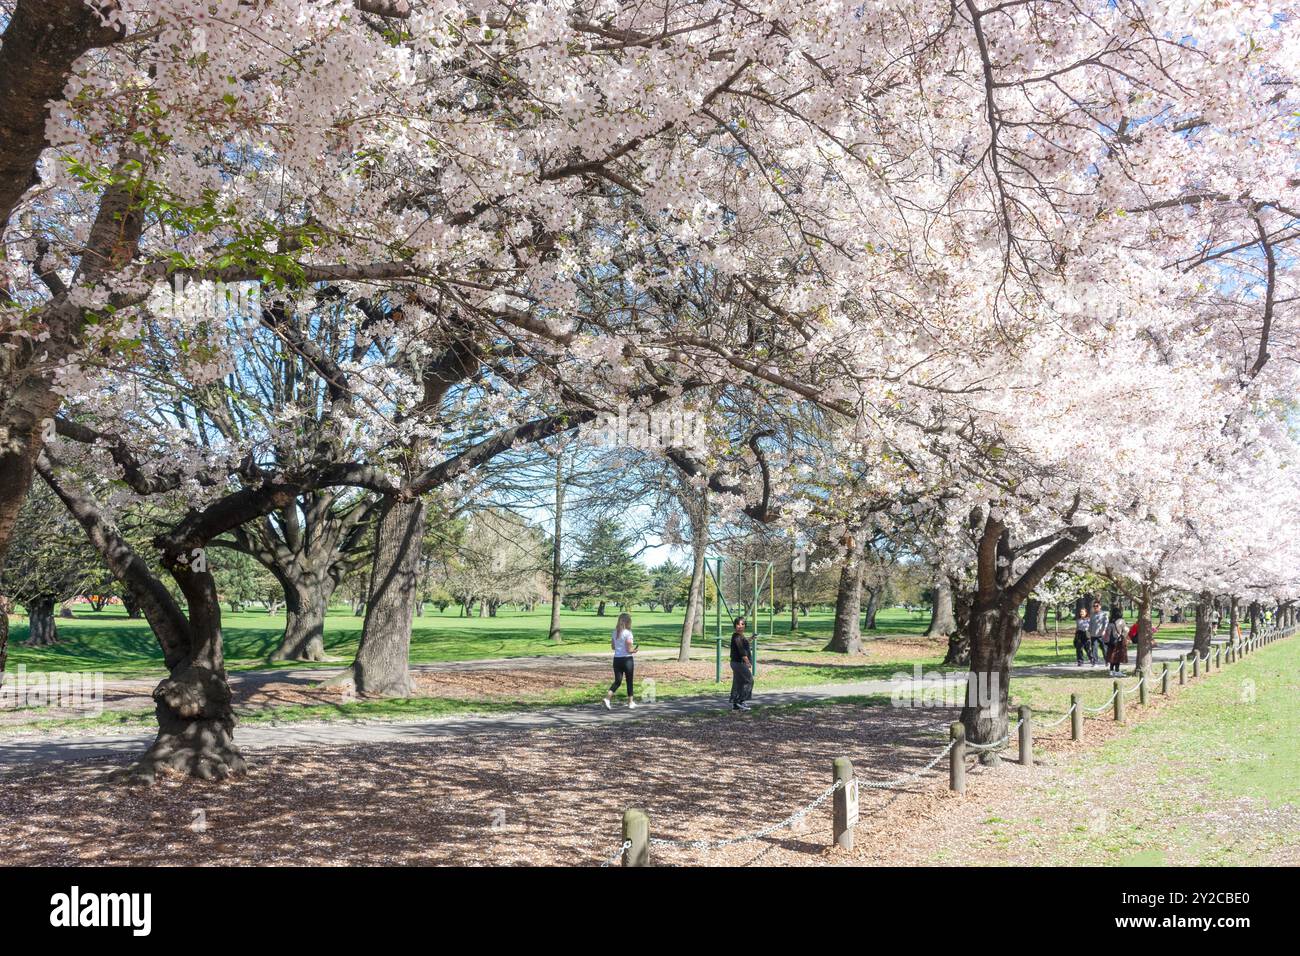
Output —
(757, 834)
(627, 845)
(903, 780)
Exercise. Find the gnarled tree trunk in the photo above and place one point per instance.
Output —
(994, 638)
(873, 605)
(196, 722)
(1144, 631)
(994, 626)
(42, 629)
(306, 601)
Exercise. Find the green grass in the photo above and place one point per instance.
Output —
(1236, 732)
(110, 642)
(1225, 742)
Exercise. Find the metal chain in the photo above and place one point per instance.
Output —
(750, 837)
(996, 745)
(627, 845)
(906, 778)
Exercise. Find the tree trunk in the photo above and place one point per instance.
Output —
(994, 638)
(1253, 612)
(695, 599)
(847, 637)
(131, 605)
(994, 626)
(1204, 627)
(196, 723)
(382, 666)
(1233, 622)
(958, 654)
(42, 630)
(41, 43)
(942, 621)
(1144, 631)
(1035, 616)
(600, 609)
(794, 603)
(557, 566)
(873, 605)
(306, 602)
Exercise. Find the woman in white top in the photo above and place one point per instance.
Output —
(624, 649)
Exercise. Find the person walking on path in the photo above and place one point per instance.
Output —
(742, 670)
(1082, 646)
(1097, 622)
(624, 659)
(1116, 641)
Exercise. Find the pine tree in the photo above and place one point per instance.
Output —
(605, 570)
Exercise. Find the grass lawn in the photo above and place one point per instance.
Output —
(110, 642)
(1211, 778)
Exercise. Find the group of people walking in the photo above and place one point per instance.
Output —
(624, 646)
(1105, 635)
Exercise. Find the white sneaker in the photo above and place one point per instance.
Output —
(605, 700)
(631, 704)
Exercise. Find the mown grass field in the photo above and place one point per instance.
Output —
(111, 642)
(119, 646)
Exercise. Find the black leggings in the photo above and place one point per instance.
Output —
(623, 667)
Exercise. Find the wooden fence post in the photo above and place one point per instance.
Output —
(1026, 736)
(957, 758)
(1142, 688)
(1164, 681)
(846, 802)
(1076, 718)
(1119, 702)
(636, 830)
